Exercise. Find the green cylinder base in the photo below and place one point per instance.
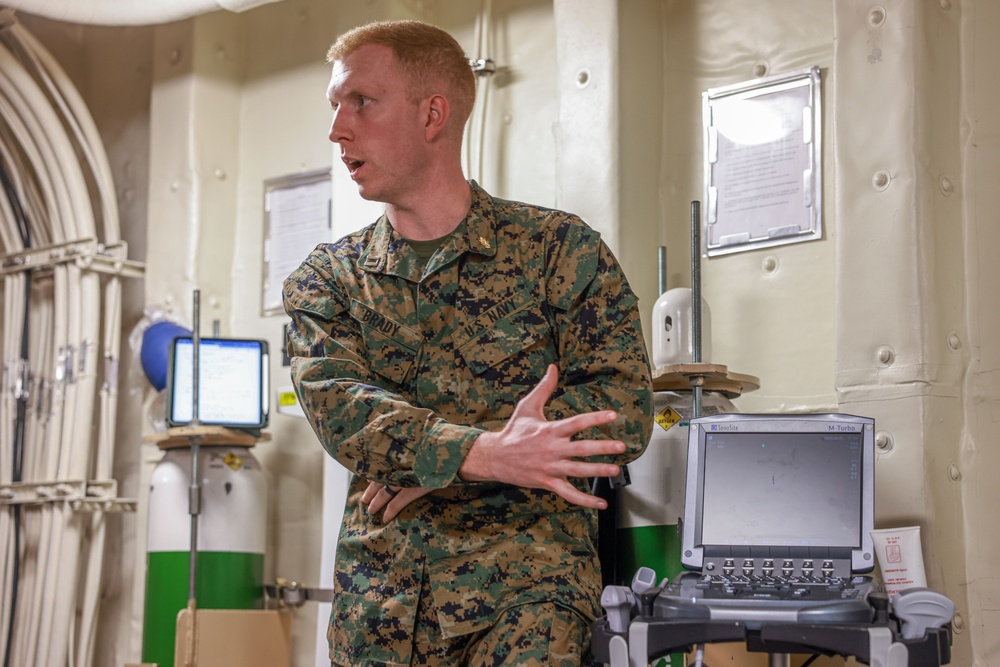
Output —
(226, 580)
(656, 547)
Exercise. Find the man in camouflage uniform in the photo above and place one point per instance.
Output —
(473, 362)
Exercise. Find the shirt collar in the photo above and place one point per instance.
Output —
(389, 253)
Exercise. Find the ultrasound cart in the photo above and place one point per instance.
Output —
(882, 642)
(776, 541)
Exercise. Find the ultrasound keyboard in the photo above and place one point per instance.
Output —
(759, 598)
(742, 587)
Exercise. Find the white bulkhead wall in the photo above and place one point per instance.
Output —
(890, 315)
(884, 317)
(902, 332)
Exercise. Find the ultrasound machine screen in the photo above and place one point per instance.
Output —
(769, 469)
(780, 484)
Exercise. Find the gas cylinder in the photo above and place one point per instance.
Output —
(231, 540)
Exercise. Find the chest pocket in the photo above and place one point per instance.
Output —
(506, 329)
(391, 346)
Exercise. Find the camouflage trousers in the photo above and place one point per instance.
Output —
(540, 634)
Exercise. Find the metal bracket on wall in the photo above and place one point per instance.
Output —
(86, 253)
(288, 593)
(90, 496)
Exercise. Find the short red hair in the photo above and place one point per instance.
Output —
(429, 57)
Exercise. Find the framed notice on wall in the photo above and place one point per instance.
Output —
(296, 220)
(763, 163)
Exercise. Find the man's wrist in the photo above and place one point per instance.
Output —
(475, 467)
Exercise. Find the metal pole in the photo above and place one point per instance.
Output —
(662, 269)
(194, 490)
(778, 660)
(696, 297)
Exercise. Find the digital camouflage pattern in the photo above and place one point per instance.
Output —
(528, 635)
(400, 369)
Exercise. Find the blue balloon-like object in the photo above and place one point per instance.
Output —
(155, 351)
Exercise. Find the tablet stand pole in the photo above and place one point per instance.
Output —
(696, 302)
(194, 491)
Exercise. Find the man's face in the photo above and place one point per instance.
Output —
(379, 130)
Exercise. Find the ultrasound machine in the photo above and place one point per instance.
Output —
(776, 543)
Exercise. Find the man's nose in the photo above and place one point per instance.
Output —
(339, 127)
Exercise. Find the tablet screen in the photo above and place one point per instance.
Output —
(233, 382)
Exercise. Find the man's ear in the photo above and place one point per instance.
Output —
(437, 115)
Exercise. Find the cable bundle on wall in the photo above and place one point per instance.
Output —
(484, 68)
(61, 261)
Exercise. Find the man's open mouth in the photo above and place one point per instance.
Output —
(353, 165)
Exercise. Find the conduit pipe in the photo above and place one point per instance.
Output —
(45, 132)
(483, 66)
(74, 112)
(46, 128)
(22, 136)
(27, 199)
(67, 99)
(39, 131)
(129, 12)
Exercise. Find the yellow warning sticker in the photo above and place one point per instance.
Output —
(233, 461)
(667, 418)
(286, 398)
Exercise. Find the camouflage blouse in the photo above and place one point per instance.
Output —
(400, 365)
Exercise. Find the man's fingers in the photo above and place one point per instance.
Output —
(399, 499)
(389, 500)
(570, 426)
(585, 469)
(377, 496)
(587, 449)
(370, 492)
(578, 497)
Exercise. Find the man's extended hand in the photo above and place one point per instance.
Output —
(529, 451)
(535, 453)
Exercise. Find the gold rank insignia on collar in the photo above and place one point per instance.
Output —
(483, 242)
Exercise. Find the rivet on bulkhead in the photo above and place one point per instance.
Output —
(876, 16)
(881, 179)
(958, 623)
(884, 441)
(947, 186)
(885, 355)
